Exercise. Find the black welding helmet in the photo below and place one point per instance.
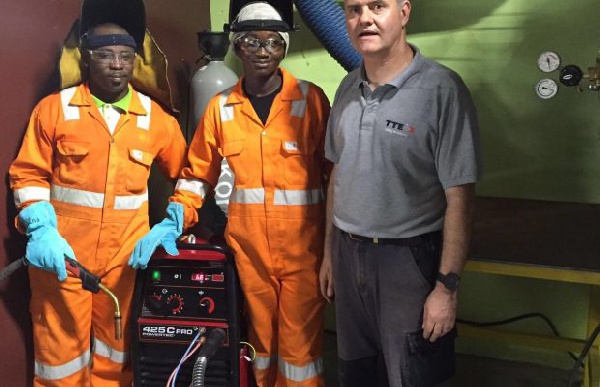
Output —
(129, 14)
(261, 22)
(149, 73)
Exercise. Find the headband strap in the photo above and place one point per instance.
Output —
(259, 25)
(93, 42)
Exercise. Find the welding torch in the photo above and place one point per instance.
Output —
(92, 283)
(89, 282)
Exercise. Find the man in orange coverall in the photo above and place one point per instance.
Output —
(80, 182)
(270, 127)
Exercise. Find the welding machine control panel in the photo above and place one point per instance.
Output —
(189, 293)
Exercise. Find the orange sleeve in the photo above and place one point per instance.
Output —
(203, 168)
(31, 171)
(171, 157)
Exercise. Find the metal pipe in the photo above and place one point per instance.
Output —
(118, 333)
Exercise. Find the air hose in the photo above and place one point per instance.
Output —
(325, 18)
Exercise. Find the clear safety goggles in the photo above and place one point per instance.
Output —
(253, 44)
(107, 57)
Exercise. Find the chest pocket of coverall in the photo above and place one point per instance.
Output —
(138, 170)
(299, 159)
(233, 151)
(71, 162)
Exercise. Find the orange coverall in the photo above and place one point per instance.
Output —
(97, 183)
(275, 218)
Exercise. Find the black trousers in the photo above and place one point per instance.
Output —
(380, 290)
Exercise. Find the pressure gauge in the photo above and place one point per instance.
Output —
(548, 61)
(546, 88)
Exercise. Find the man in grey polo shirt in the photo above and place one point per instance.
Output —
(403, 135)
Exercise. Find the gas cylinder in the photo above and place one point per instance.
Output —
(207, 81)
(211, 78)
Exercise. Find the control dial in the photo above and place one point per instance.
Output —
(175, 303)
(156, 297)
(156, 303)
(208, 304)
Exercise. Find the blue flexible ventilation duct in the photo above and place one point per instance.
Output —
(325, 18)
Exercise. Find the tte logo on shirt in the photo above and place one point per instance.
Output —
(398, 129)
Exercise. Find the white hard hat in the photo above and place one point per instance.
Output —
(260, 16)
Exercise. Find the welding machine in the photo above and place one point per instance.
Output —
(178, 298)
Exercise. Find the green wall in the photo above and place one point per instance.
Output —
(533, 148)
(538, 149)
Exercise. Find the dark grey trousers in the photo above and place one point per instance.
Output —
(380, 290)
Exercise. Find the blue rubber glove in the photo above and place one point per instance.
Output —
(46, 249)
(163, 234)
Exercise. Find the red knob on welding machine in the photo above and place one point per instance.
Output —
(208, 303)
(175, 303)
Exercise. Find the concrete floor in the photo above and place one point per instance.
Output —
(474, 371)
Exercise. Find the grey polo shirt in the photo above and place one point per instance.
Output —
(398, 147)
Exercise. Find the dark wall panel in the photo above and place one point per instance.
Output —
(31, 34)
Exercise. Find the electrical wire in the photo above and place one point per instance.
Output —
(579, 361)
(186, 355)
(514, 319)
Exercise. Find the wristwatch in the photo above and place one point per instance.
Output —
(450, 280)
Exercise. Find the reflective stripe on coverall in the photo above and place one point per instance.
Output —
(275, 218)
(98, 185)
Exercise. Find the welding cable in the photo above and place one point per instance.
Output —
(191, 349)
(579, 361)
(514, 319)
(216, 337)
(10, 269)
